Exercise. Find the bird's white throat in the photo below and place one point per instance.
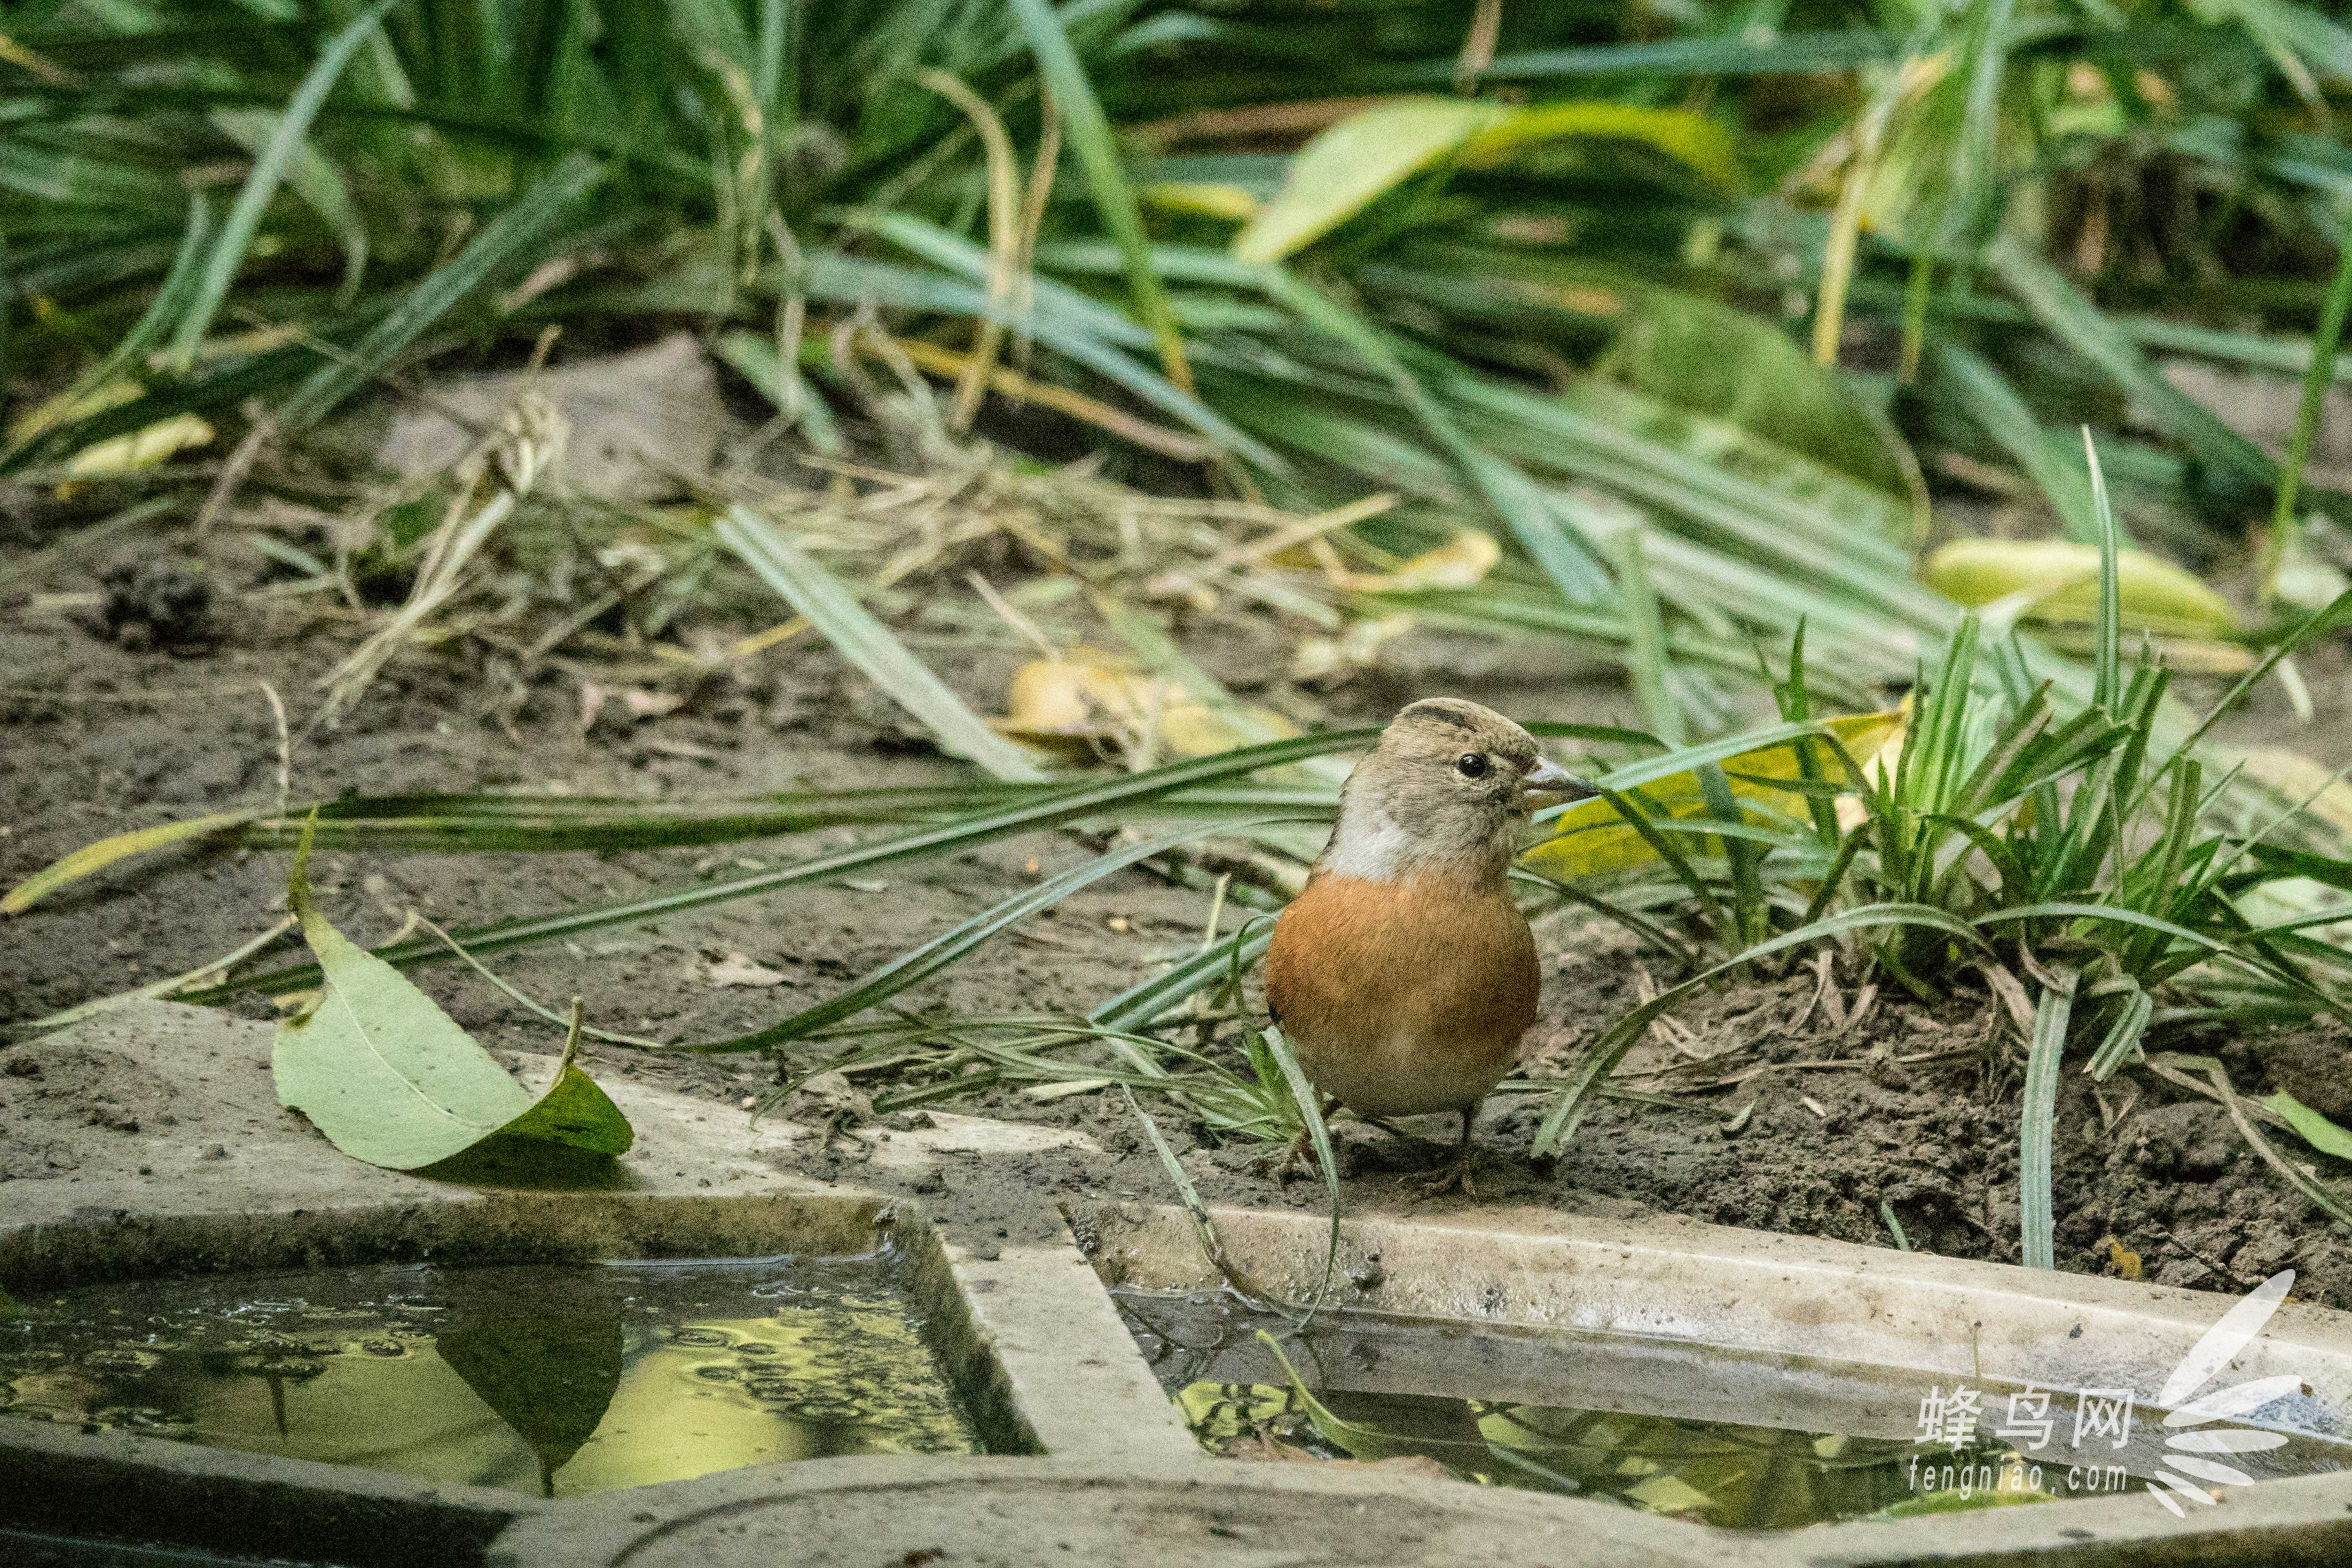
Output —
(1370, 844)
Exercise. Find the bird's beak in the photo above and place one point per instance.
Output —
(1549, 783)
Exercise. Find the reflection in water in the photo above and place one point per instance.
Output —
(1696, 1432)
(1712, 1472)
(556, 1380)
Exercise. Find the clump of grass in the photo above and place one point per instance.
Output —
(2083, 852)
(838, 194)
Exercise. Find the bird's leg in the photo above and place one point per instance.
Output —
(1454, 1175)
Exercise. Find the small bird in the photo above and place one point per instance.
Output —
(1402, 974)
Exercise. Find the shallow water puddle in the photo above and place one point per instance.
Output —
(553, 1379)
(1715, 1435)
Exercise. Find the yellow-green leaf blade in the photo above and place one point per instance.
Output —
(91, 858)
(1590, 839)
(1351, 164)
(2059, 582)
(1687, 138)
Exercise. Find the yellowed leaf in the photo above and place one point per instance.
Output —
(1462, 562)
(1350, 165)
(2059, 580)
(1590, 839)
(140, 449)
(1092, 695)
(1690, 138)
(1201, 199)
(107, 852)
(66, 407)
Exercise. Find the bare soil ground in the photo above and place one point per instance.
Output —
(1852, 1105)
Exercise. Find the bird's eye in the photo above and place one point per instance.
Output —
(1472, 765)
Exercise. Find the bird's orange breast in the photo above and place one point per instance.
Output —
(1402, 996)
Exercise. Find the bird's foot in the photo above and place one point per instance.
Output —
(1296, 1159)
(1454, 1175)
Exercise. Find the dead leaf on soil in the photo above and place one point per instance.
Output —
(1463, 562)
(142, 448)
(1093, 695)
(737, 970)
(1356, 647)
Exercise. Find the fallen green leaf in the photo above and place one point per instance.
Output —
(392, 1079)
(2061, 582)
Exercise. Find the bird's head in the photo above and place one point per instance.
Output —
(1448, 788)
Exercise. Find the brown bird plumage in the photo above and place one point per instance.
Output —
(1403, 975)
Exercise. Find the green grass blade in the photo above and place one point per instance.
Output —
(756, 360)
(1310, 1113)
(1996, 409)
(2285, 522)
(867, 643)
(1204, 1227)
(317, 181)
(2123, 1038)
(2039, 1121)
(170, 299)
(2107, 663)
(1975, 155)
(514, 233)
(1090, 137)
(1729, 54)
(1649, 770)
(1509, 494)
(1072, 802)
(1146, 1002)
(228, 251)
(920, 963)
(1646, 663)
(2078, 323)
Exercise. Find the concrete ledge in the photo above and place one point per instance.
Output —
(54, 1478)
(1100, 1467)
(1023, 1513)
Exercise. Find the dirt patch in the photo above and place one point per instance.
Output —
(1846, 1107)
